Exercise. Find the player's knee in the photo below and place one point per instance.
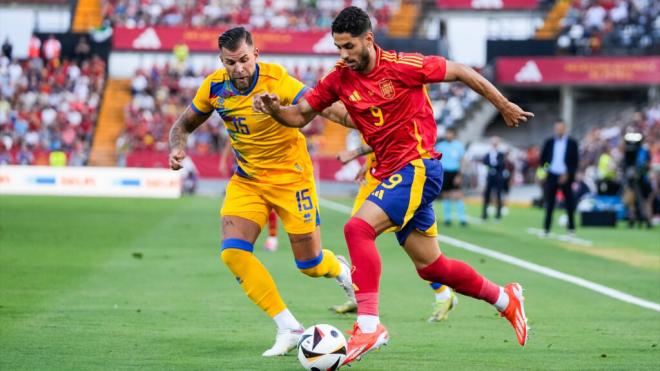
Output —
(434, 271)
(233, 249)
(358, 227)
(312, 267)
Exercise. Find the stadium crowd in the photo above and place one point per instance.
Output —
(621, 27)
(276, 14)
(48, 106)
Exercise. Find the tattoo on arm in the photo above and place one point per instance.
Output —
(184, 125)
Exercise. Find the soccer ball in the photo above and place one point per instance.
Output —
(322, 347)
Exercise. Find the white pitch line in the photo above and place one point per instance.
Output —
(607, 291)
(540, 233)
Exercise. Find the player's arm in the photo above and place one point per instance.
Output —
(224, 156)
(513, 115)
(339, 114)
(295, 115)
(347, 156)
(184, 125)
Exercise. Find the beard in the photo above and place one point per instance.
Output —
(363, 60)
(242, 84)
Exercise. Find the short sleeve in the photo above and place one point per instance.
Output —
(420, 69)
(202, 103)
(290, 90)
(324, 93)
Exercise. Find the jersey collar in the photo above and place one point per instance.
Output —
(252, 85)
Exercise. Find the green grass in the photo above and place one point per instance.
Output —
(113, 284)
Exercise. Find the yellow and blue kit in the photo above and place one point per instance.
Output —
(274, 169)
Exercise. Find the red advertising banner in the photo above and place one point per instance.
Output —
(487, 4)
(206, 40)
(578, 71)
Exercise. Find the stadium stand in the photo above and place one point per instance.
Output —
(618, 27)
(272, 14)
(48, 105)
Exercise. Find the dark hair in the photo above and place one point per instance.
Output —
(352, 20)
(232, 38)
(451, 128)
(560, 119)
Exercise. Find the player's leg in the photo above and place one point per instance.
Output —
(457, 197)
(297, 206)
(487, 192)
(418, 236)
(432, 265)
(550, 191)
(360, 232)
(370, 183)
(446, 194)
(243, 215)
(271, 240)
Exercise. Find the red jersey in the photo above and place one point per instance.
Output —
(389, 105)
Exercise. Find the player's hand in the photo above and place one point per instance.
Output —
(514, 115)
(266, 103)
(361, 176)
(222, 167)
(176, 159)
(346, 156)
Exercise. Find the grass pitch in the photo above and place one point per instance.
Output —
(113, 284)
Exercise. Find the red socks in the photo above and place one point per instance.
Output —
(272, 224)
(460, 277)
(361, 241)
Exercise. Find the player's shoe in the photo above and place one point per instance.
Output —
(348, 307)
(360, 343)
(441, 308)
(271, 243)
(285, 341)
(345, 280)
(515, 311)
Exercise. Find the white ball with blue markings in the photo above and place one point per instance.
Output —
(322, 347)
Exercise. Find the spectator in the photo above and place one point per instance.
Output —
(83, 50)
(7, 48)
(560, 157)
(52, 51)
(494, 161)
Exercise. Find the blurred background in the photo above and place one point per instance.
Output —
(94, 84)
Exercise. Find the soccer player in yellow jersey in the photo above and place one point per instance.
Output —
(274, 171)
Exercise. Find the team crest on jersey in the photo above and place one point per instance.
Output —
(386, 89)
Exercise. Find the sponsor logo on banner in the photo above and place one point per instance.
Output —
(487, 4)
(200, 39)
(325, 45)
(642, 71)
(529, 73)
(147, 40)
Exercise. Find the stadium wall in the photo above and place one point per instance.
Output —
(89, 181)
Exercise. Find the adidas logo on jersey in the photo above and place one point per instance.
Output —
(529, 73)
(354, 97)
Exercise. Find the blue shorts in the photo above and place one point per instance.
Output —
(407, 197)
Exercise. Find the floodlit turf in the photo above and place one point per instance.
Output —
(114, 284)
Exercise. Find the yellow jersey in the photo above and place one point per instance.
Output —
(265, 150)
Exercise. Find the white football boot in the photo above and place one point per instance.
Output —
(285, 341)
(344, 279)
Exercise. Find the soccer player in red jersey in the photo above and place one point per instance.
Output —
(385, 96)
